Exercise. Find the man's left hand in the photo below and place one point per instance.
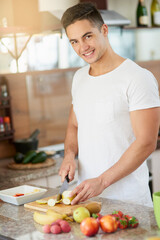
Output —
(87, 189)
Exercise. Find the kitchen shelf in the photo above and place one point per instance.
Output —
(7, 136)
(5, 110)
(139, 28)
(4, 106)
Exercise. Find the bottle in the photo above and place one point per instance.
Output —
(4, 94)
(7, 124)
(1, 125)
(155, 13)
(142, 15)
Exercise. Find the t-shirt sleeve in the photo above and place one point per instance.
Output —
(143, 92)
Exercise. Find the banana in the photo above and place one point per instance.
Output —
(46, 218)
(55, 214)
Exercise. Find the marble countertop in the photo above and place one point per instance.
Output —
(11, 178)
(17, 222)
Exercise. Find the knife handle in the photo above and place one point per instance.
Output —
(67, 178)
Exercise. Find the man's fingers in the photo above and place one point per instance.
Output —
(77, 198)
(75, 191)
(79, 191)
(71, 174)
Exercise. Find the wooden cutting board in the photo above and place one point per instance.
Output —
(60, 207)
(19, 166)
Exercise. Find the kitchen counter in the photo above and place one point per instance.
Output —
(17, 222)
(11, 178)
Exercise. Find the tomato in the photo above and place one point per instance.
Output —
(133, 222)
(117, 217)
(97, 216)
(108, 224)
(89, 226)
(18, 195)
(118, 213)
(123, 223)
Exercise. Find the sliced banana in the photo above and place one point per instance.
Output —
(66, 201)
(41, 201)
(51, 202)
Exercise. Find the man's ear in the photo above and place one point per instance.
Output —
(104, 29)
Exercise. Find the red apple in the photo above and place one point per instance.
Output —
(89, 226)
(108, 224)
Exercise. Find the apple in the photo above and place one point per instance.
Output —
(80, 213)
(108, 224)
(89, 226)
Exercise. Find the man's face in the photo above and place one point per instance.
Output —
(87, 40)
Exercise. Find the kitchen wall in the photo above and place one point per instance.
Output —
(39, 99)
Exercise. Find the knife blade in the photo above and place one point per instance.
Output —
(63, 188)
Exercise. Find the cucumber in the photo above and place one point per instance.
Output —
(18, 158)
(29, 156)
(40, 157)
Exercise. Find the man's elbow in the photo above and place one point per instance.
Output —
(150, 145)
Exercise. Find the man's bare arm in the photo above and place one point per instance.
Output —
(145, 124)
(71, 148)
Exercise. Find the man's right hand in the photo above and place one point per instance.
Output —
(68, 167)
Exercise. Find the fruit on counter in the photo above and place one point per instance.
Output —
(122, 223)
(118, 213)
(48, 218)
(80, 213)
(108, 224)
(132, 221)
(65, 226)
(94, 207)
(41, 201)
(18, 158)
(51, 202)
(56, 215)
(89, 226)
(29, 156)
(39, 157)
(97, 216)
(66, 199)
(43, 219)
(46, 228)
(57, 227)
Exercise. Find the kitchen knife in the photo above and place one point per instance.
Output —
(63, 188)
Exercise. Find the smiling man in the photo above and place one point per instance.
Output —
(114, 117)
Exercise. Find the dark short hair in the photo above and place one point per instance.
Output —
(82, 11)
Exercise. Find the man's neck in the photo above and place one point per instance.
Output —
(106, 64)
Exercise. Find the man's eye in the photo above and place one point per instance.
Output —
(88, 36)
(73, 42)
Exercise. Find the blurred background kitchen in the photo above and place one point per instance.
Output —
(37, 63)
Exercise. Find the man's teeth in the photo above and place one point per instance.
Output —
(87, 54)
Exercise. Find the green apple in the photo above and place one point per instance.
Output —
(80, 213)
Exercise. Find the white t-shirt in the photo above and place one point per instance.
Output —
(102, 105)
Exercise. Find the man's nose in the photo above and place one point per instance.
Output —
(84, 46)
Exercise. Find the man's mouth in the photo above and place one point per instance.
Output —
(88, 53)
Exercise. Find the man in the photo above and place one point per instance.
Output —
(114, 118)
